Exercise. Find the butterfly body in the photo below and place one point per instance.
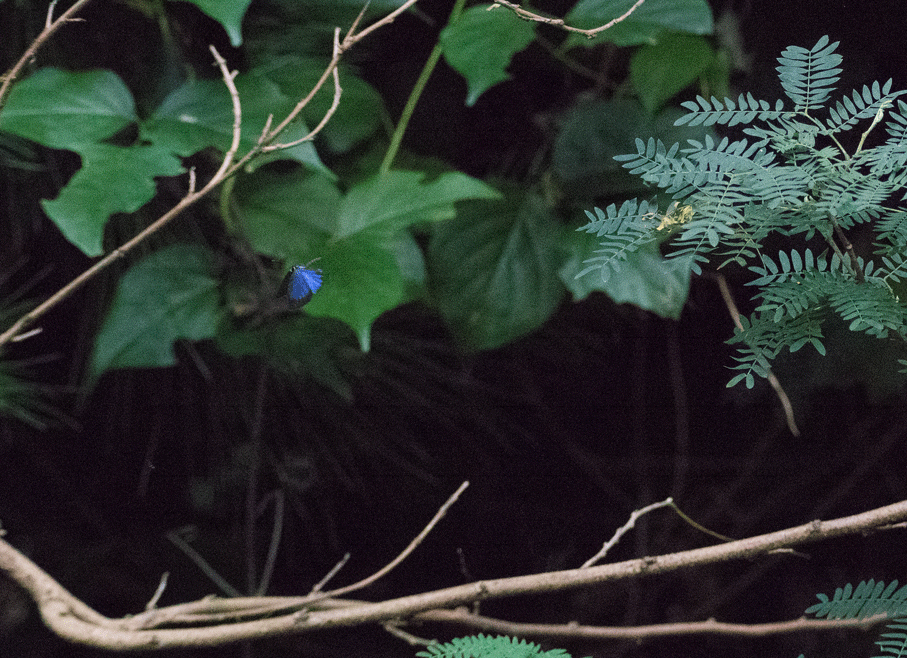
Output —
(301, 284)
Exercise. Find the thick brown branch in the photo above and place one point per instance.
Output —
(73, 620)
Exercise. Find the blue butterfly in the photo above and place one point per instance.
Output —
(300, 284)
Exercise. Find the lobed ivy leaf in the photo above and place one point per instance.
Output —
(68, 110)
(112, 179)
(480, 45)
(229, 13)
(168, 295)
(397, 199)
(493, 270)
(362, 280)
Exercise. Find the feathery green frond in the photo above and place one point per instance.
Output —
(893, 229)
(808, 76)
(848, 112)
(761, 340)
(623, 231)
(870, 598)
(485, 646)
(869, 306)
(852, 197)
(656, 165)
(896, 265)
(791, 178)
(728, 113)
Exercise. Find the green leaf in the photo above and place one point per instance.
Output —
(399, 199)
(661, 70)
(296, 344)
(112, 179)
(199, 115)
(66, 110)
(229, 13)
(370, 265)
(646, 278)
(287, 215)
(169, 295)
(493, 270)
(595, 131)
(643, 25)
(361, 107)
(361, 281)
(480, 45)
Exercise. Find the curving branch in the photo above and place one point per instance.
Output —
(231, 620)
(51, 25)
(591, 33)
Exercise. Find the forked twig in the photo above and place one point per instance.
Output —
(442, 511)
(73, 620)
(51, 25)
(559, 22)
(772, 379)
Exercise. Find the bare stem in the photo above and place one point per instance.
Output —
(559, 22)
(71, 619)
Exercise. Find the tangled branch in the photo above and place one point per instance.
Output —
(217, 621)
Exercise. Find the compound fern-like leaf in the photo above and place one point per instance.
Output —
(870, 598)
(622, 231)
(808, 76)
(848, 112)
(485, 646)
(728, 113)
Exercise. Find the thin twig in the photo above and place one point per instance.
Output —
(559, 22)
(276, 533)
(624, 529)
(317, 587)
(573, 631)
(50, 27)
(772, 379)
(152, 604)
(29, 318)
(199, 561)
(442, 511)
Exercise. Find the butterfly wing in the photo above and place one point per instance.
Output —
(300, 284)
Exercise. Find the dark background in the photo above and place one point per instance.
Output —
(562, 434)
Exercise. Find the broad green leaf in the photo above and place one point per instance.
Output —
(646, 279)
(169, 295)
(229, 13)
(661, 70)
(67, 110)
(399, 199)
(287, 215)
(358, 115)
(480, 45)
(493, 270)
(362, 280)
(411, 262)
(595, 131)
(112, 179)
(199, 115)
(643, 25)
(297, 344)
